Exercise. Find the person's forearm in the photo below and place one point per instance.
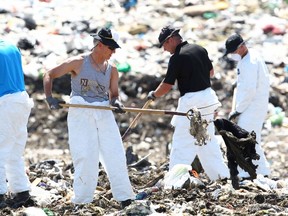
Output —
(211, 73)
(162, 89)
(47, 84)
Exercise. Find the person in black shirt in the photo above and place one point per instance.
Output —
(191, 67)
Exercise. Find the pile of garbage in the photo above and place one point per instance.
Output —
(49, 31)
(178, 192)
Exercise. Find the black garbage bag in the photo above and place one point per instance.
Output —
(240, 149)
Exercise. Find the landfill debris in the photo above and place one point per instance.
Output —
(179, 177)
(241, 149)
(277, 117)
(145, 193)
(34, 211)
(198, 127)
(48, 33)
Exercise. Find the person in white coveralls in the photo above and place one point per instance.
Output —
(191, 67)
(252, 94)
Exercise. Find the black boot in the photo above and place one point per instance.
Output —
(20, 199)
(3, 203)
(125, 203)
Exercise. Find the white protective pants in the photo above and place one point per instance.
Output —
(94, 137)
(14, 113)
(184, 150)
(252, 98)
(250, 121)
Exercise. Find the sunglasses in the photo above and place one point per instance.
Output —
(111, 48)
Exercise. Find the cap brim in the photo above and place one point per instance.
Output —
(172, 33)
(231, 51)
(161, 44)
(108, 42)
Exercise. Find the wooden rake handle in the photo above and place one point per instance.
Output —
(134, 122)
(127, 109)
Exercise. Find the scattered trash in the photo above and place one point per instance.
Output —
(277, 117)
(147, 192)
(47, 32)
(34, 211)
(198, 127)
(265, 183)
(124, 67)
(180, 175)
(241, 149)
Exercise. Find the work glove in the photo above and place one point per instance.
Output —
(233, 115)
(151, 96)
(116, 103)
(54, 103)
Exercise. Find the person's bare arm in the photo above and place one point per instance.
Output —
(114, 88)
(211, 73)
(71, 65)
(162, 89)
(114, 92)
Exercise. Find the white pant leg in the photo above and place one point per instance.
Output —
(183, 150)
(211, 157)
(84, 148)
(263, 165)
(6, 144)
(112, 157)
(15, 168)
(249, 122)
(15, 113)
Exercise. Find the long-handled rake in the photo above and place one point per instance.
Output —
(198, 125)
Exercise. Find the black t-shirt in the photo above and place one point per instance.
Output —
(190, 66)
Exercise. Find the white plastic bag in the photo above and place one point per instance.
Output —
(177, 176)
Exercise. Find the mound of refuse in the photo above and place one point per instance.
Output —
(47, 32)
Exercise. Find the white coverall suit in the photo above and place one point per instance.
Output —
(14, 113)
(184, 149)
(94, 136)
(252, 98)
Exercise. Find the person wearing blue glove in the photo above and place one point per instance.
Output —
(54, 103)
(115, 102)
(94, 135)
(190, 66)
(15, 108)
(252, 95)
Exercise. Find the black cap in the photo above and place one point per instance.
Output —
(106, 37)
(166, 33)
(233, 42)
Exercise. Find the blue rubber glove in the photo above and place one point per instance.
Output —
(54, 103)
(117, 103)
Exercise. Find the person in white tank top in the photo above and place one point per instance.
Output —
(93, 134)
